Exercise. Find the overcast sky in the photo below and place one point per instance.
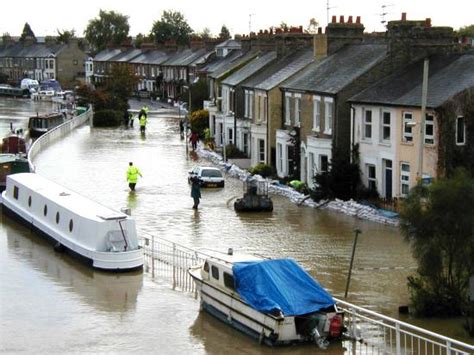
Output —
(45, 17)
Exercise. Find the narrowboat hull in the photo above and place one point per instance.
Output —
(63, 235)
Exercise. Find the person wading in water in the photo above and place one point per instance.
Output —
(132, 176)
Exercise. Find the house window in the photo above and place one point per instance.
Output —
(297, 110)
(287, 109)
(261, 150)
(230, 138)
(324, 163)
(229, 281)
(316, 113)
(371, 177)
(280, 156)
(45, 210)
(408, 127)
(328, 112)
(57, 217)
(404, 179)
(460, 131)
(386, 131)
(29, 201)
(215, 272)
(16, 191)
(367, 125)
(71, 225)
(429, 129)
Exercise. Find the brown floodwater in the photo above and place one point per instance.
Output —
(52, 303)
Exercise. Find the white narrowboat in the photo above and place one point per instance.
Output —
(105, 238)
(274, 301)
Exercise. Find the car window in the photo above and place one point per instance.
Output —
(211, 173)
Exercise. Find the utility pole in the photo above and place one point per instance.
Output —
(424, 94)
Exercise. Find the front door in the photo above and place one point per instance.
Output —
(388, 179)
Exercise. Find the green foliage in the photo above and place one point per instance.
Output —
(110, 27)
(108, 118)
(312, 26)
(120, 84)
(341, 181)
(467, 31)
(65, 36)
(231, 151)
(205, 34)
(3, 78)
(199, 121)
(438, 220)
(171, 26)
(225, 33)
(140, 39)
(27, 33)
(199, 93)
(261, 169)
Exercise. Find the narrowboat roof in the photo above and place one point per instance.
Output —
(223, 257)
(7, 158)
(66, 198)
(48, 115)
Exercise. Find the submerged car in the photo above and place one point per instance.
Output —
(209, 176)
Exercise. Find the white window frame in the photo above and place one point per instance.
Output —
(371, 179)
(280, 157)
(287, 108)
(311, 166)
(317, 113)
(458, 142)
(328, 115)
(261, 150)
(245, 143)
(367, 124)
(429, 122)
(404, 179)
(297, 101)
(407, 129)
(384, 125)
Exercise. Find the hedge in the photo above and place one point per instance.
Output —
(108, 118)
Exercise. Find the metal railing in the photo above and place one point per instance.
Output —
(369, 332)
(56, 133)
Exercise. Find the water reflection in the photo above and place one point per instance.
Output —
(104, 291)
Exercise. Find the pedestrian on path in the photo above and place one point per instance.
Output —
(194, 139)
(195, 190)
(132, 176)
(142, 120)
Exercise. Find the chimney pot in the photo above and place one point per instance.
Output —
(358, 20)
(320, 31)
(404, 16)
(334, 19)
(427, 23)
(341, 19)
(349, 20)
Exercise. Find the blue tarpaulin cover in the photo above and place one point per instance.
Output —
(271, 285)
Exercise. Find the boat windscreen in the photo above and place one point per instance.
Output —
(282, 285)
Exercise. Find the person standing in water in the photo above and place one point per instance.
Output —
(195, 191)
(132, 176)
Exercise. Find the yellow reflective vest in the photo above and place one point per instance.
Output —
(132, 174)
(143, 120)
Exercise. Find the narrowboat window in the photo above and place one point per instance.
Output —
(16, 190)
(45, 210)
(71, 225)
(215, 272)
(29, 201)
(229, 281)
(206, 267)
(57, 217)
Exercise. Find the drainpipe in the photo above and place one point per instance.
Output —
(352, 132)
(268, 155)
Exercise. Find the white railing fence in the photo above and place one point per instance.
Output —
(370, 332)
(56, 133)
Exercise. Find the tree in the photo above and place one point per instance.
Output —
(312, 26)
(225, 33)
(205, 34)
(467, 31)
(65, 36)
(119, 85)
(171, 26)
(109, 28)
(438, 220)
(27, 33)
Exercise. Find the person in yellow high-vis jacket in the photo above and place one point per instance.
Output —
(132, 175)
(142, 120)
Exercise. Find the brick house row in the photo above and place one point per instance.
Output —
(42, 61)
(297, 113)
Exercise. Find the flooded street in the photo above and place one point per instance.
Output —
(51, 303)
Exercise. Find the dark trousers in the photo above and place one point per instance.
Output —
(132, 185)
(196, 202)
(142, 129)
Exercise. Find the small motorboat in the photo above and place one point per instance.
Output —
(274, 301)
(255, 197)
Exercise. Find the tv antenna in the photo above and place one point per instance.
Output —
(384, 13)
(328, 7)
(250, 22)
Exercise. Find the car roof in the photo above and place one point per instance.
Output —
(208, 167)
